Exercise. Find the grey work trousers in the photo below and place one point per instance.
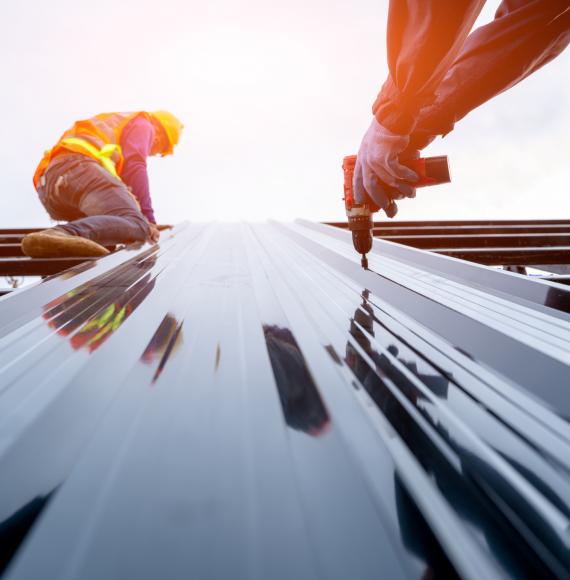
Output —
(98, 206)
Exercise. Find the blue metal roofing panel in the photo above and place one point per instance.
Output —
(245, 401)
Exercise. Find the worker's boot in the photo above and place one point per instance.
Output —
(56, 243)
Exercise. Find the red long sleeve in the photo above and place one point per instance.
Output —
(136, 144)
(438, 74)
(424, 38)
(525, 35)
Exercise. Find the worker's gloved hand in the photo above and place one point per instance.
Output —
(378, 171)
(162, 227)
(153, 233)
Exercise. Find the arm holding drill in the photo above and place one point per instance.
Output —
(439, 73)
(525, 35)
(424, 38)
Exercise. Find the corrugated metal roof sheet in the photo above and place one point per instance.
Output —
(244, 401)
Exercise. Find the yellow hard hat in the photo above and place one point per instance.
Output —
(172, 126)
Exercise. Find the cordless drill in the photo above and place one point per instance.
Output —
(431, 171)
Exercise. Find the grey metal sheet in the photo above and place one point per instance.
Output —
(548, 297)
(245, 401)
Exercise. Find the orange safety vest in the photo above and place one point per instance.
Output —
(98, 138)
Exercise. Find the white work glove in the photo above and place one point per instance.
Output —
(378, 172)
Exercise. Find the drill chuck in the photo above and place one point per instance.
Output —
(362, 241)
(361, 226)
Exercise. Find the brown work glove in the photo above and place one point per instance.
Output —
(153, 233)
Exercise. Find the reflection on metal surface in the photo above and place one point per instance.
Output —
(14, 528)
(302, 405)
(218, 357)
(409, 421)
(164, 342)
(80, 316)
(361, 328)
(392, 389)
(419, 539)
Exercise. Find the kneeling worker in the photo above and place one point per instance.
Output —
(95, 178)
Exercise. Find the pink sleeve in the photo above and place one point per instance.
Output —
(136, 143)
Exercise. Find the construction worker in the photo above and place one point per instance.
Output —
(95, 177)
(438, 73)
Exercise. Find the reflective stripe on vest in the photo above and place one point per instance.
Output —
(97, 137)
(103, 155)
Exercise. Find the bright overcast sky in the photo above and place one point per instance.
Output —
(273, 95)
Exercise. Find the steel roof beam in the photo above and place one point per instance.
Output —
(431, 242)
(24, 266)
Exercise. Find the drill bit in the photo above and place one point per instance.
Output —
(364, 261)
